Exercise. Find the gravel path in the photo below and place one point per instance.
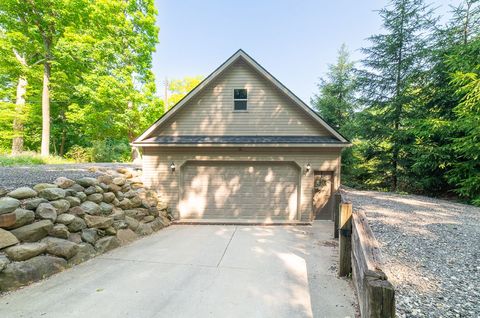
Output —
(431, 252)
(18, 176)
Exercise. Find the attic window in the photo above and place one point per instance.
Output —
(239, 99)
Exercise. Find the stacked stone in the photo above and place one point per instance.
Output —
(50, 227)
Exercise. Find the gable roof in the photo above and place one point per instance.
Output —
(240, 54)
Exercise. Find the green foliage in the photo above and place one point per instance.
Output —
(111, 151)
(180, 87)
(79, 154)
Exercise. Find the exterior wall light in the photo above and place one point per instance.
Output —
(308, 168)
(172, 166)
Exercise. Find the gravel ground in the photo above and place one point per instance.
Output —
(430, 249)
(18, 176)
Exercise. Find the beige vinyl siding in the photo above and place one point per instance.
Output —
(157, 174)
(269, 112)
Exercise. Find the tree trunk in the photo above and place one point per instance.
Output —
(62, 142)
(17, 142)
(45, 150)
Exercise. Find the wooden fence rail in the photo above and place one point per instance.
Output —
(360, 256)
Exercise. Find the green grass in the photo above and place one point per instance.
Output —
(29, 159)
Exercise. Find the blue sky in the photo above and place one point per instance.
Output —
(295, 40)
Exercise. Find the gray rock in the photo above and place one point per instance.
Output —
(70, 193)
(98, 222)
(22, 193)
(162, 205)
(46, 211)
(105, 208)
(132, 223)
(126, 236)
(99, 189)
(7, 239)
(63, 182)
(77, 211)
(90, 208)
(32, 204)
(59, 247)
(77, 225)
(115, 202)
(75, 238)
(120, 224)
(85, 252)
(18, 274)
(25, 251)
(52, 194)
(106, 244)
(61, 205)
(109, 197)
(65, 218)
(114, 188)
(130, 194)
(82, 196)
(4, 261)
(96, 197)
(90, 190)
(144, 229)
(77, 188)
(135, 202)
(120, 196)
(90, 235)
(157, 224)
(42, 186)
(110, 231)
(33, 232)
(87, 182)
(7, 220)
(3, 191)
(104, 187)
(22, 217)
(74, 201)
(60, 231)
(8, 205)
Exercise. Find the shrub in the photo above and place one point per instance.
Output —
(79, 154)
(111, 151)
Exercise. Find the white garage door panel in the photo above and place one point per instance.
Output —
(239, 190)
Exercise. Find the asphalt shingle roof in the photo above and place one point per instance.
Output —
(243, 140)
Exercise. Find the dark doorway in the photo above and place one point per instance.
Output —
(323, 195)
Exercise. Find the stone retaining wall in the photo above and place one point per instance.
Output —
(50, 227)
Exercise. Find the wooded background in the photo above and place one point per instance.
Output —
(76, 82)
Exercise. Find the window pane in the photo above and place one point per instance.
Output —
(240, 93)
(240, 105)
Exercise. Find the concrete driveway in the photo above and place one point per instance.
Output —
(199, 271)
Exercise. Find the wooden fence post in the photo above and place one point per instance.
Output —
(345, 239)
(336, 212)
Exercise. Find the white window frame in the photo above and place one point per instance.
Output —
(240, 100)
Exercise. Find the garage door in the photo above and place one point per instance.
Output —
(239, 191)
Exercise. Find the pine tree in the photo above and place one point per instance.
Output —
(389, 82)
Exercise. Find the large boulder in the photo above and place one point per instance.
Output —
(75, 238)
(125, 204)
(7, 220)
(84, 253)
(106, 179)
(52, 194)
(119, 181)
(95, 197)
(60, 231)
(59, 247)
(77, 188)
(33, 232)
(61, 205)
(87, 182)
(42, 186)
(77, 224)
(90, 208)
(82, 196)
(8, 205)
(106, 244)
(63, 182)
(22, 193)
(98, 222)
(144, 229)
(132, 223)
(46, 211)
(22, 217)
(32, 204)
(4, 261)
(90, 235)
(136, 202)
(7, 239)
(77, 211)
(17, 274)
(90, 190)
(157, 224)
(25, 251)
(118, 214)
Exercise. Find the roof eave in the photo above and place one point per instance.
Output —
(272, 145)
